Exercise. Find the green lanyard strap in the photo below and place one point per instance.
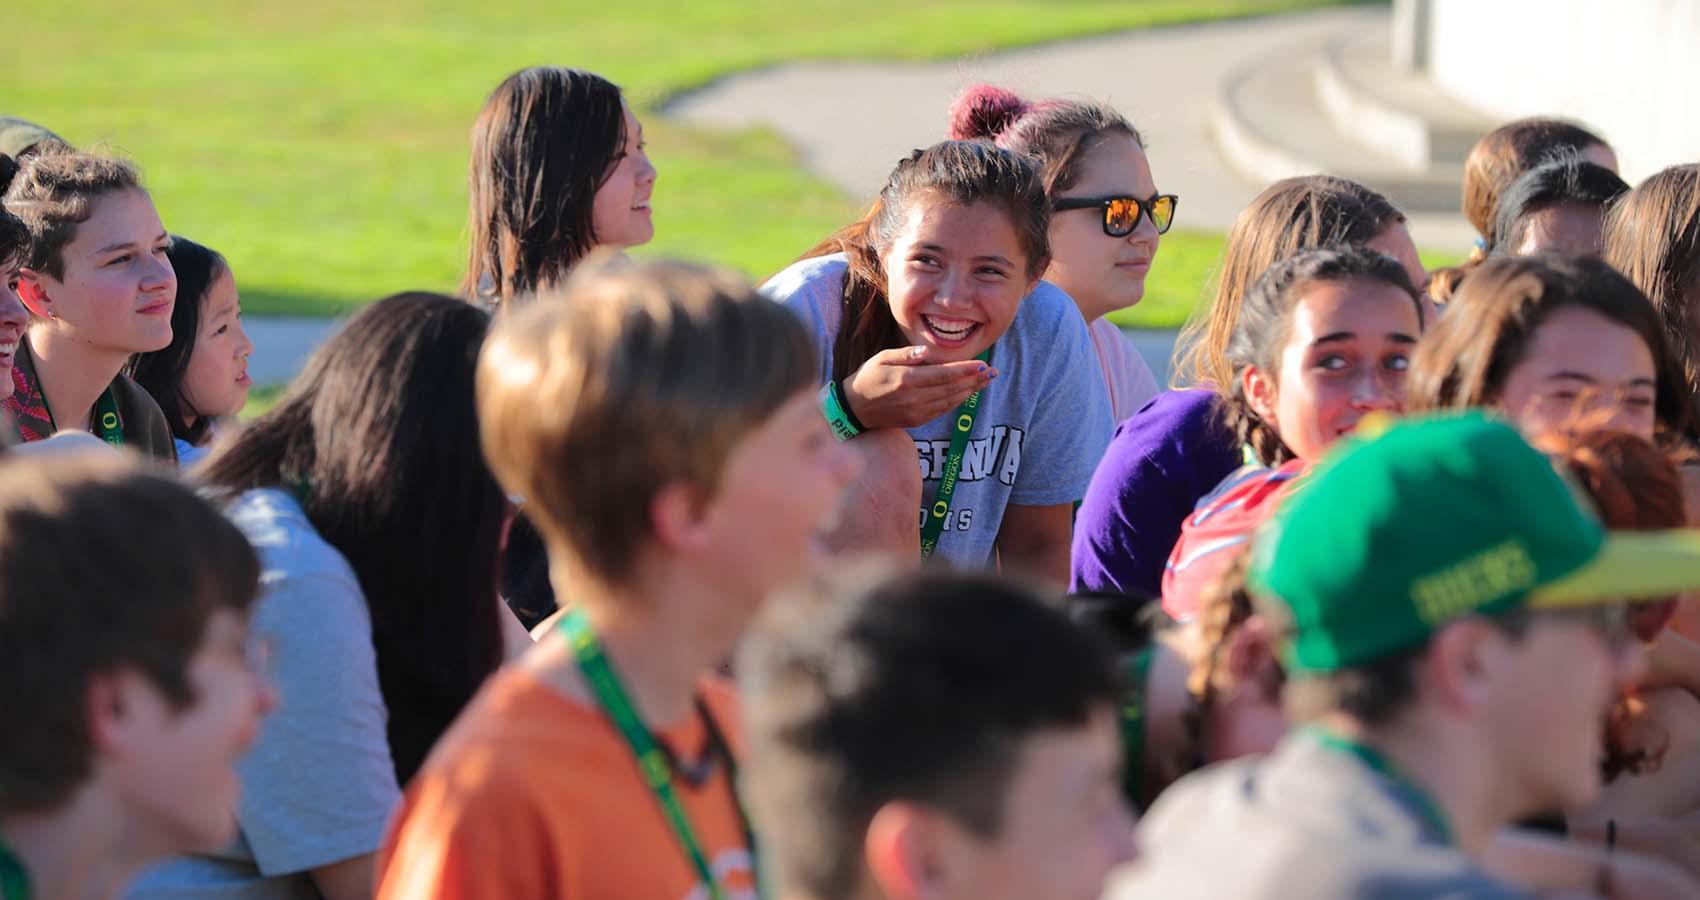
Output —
(964, 423)
(14, 880)
(1381, 765)
(652, 761)
(108, 424)
(1137, 670)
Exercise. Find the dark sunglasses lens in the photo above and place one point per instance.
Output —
(1163, 213)
(1121, 215)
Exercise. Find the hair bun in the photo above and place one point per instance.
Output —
(984, 111)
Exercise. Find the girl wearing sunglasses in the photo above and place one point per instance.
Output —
(1107, 214)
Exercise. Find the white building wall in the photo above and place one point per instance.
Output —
(1629, 69)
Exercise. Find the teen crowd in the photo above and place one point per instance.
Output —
(610, 579)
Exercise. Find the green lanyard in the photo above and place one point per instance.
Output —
(14, 881)
(652, 762)
(108, 425)
(1133, 725)
(1369, 756)
(965, 414)
(107, 422)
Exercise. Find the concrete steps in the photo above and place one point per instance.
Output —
(1337, 104)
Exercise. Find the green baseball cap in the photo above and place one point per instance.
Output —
(1434, 519)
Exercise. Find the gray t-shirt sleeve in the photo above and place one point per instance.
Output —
(1071, 416)
(319, 785)
(812, 289)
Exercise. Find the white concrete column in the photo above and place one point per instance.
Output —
(1410, 34)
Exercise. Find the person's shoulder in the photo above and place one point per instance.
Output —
(518, 732)
(1172, 415)
(815, 275)
(288, 544)
(188, 454)
(271, 517)
(1047, 308)
(1202, 793)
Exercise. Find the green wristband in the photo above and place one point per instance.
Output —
(843, 427)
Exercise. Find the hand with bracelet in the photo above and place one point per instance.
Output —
(904, 388)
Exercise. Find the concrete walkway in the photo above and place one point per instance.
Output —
(282, 345)
(852, 122)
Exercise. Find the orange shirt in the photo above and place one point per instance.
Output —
(533, 794)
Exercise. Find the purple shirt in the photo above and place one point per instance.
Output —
(1161, 461)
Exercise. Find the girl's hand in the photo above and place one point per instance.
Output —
(899, 388)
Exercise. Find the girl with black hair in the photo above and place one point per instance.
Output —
(202, 375)
(366, 493)
(558, 169)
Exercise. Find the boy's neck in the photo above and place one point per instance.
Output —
(1438, 759)
(661, 638)
(82, 851)
(72, 375)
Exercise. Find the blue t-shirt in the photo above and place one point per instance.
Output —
(1042, 425)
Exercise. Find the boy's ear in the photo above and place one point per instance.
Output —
(678, 514)
(903, 850)
(33, 292)
(1250, 650)
(114, 701)
(1464, 664)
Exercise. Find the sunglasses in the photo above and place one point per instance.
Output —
(1122, 214)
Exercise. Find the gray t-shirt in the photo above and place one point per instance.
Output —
(1306, 821)
(319, 786)
(1042, 424)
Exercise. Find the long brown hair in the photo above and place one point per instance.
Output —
(1507, 152)
(1464, 360)
(544, 143)
(959, 173)
(1290, 215)
(1652, 236)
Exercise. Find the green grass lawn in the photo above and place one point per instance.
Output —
(321, 145)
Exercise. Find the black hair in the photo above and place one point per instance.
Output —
(1565, 180)
(9, 169)
(161, 372)
(378, 439)
(1263, 323)
(544, 144)
(921, 688)
(1129, 622)
(14, 238)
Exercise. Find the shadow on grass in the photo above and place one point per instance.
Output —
(259, 300)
